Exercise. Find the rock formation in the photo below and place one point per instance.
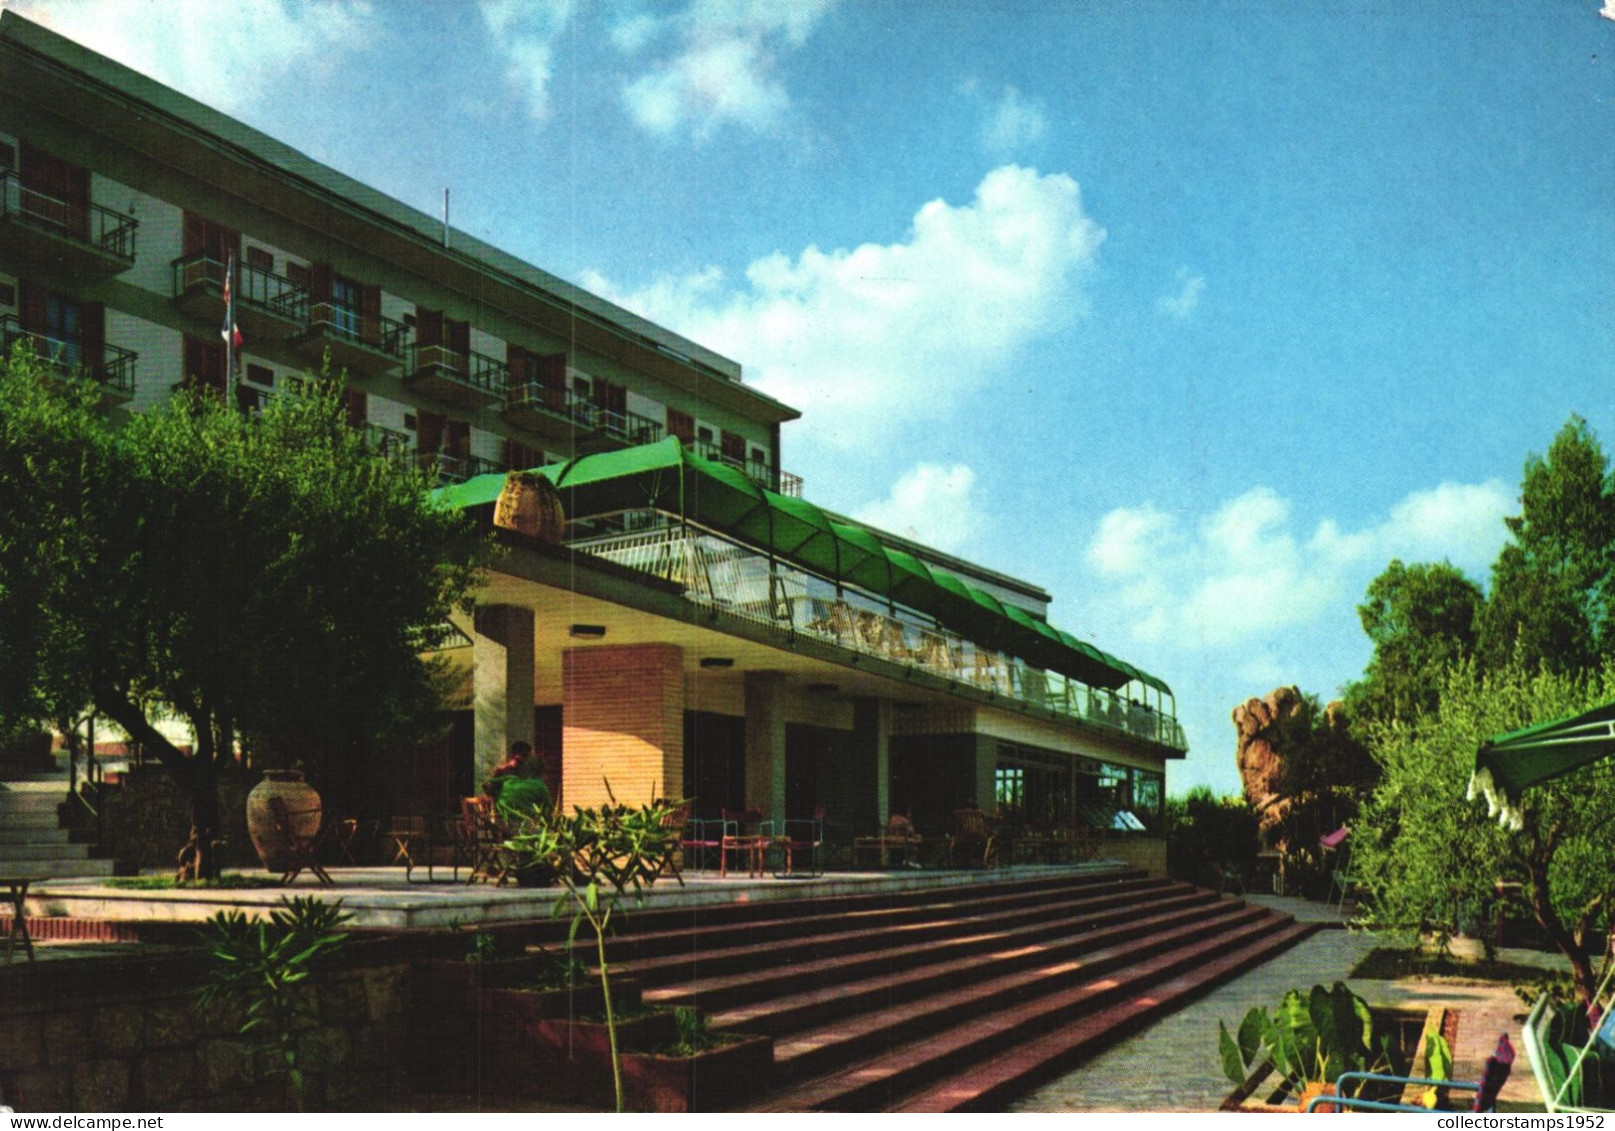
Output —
(1259, 762)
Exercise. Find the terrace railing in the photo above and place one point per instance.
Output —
(474, 370)
(110, 366)
(577, 409)
(256, 287)
(722, 574)
(339, 320)
(455, 468)
(91, 225)
(758, 471)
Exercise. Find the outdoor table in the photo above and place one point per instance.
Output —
(17, 892)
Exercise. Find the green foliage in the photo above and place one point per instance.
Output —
(1421, 620)
(1423, 850)
(480, 946)
(266, 580)
(1310, 1038)
(522, 798)
(1553, 586)
(695, 1034)
(559, 971)
(1203, 828)
(262, 965)
(599, 855)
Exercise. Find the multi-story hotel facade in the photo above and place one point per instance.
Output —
(704, 629)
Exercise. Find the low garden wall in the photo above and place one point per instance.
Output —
(125, 1035)
(1145, 852)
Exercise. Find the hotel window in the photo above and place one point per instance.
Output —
(345, 306)
(356, 407)
(681, 424)
(260, 260)
(55, 192)
(261, 375)
(734, 448)
(298, 273)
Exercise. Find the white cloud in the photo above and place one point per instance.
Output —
(725, 68)
(1608, 10)
(228, 55)
(872, 340)
(1181, 302)
(1013, 123)
(1248, 570)
(525, 32)
(930, 503)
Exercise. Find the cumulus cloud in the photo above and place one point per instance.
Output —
(930, 503)
(1012, 123)
(1181, 302)
(724, 68)
(229, 56)
(525, 33)
(870, 340)
(1250, 568)
(1608, 10)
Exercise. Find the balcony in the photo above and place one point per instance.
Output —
(451, 468)
(42, 234)
(759, 472)
(267, 304)
(467, 380)
(113, 370)
(716, 572)
(370, 345)
(388, 442)
(541, 408)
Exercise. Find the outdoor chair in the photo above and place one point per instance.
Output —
(791, 837)
(299, 847)
(971, 843)
(1486, 1089)
(485, 835)
(740, 836)
(898, 843)
(674, 822)
(1343, 878)
(407, 834)
(1574, 1079)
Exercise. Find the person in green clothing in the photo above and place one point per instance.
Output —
(517, 785)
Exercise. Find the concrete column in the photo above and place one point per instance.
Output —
(765, 743)
(502, 684)
(986, 768)
(872, 754)
(623, 723)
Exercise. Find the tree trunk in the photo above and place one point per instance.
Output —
(199, 859)
(1542, 907)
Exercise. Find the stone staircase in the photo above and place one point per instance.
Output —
(34, 844)
(947, 998)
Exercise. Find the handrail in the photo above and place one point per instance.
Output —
(758, 471)
(576, 408)
(115, 370)
(85, 222)
(720, 573)
(255, 286)
(374, 330)
(466, 367)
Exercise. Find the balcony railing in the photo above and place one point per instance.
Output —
(716, 572)
(256, 288)
(758, 471)
(110, 366)
(455, 468)
(389, 442)
(347, 324)
(579, 410)
(90, 225)
(469, 370)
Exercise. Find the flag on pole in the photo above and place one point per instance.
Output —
(230, 332)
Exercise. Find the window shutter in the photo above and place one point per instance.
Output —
(193, 236)
(457, 334)
(428, 326)
(457, 439)
(32, 306)
(681, 424)
(429, 433)
(516, 368)
(357, 403)
(319, 282)
(733, 446)
(93, 323)
(370, 314)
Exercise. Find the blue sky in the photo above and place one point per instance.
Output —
(1194, 314)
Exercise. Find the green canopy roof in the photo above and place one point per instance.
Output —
(668, 477)
(1511, 763)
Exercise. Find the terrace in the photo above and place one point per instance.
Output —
(70, 237)
(112, 367)
(267, 305)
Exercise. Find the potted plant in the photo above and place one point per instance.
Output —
(1309, 1041)
(701, 1070)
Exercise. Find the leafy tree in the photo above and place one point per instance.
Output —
(1421, 619)
(1553, 585)
(1426, 850)
(263, 581)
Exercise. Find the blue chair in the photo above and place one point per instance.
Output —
(1486, 1089)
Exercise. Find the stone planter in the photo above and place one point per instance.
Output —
(302, 806)
(1264, 1091)
(718, 1079)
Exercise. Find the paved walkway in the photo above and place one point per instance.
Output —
(1174, 1064)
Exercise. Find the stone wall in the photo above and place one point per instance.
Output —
(129, 1038)
(1145, 852)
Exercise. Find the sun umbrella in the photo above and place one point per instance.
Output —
(1511, 762)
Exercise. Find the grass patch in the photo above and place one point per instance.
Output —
(1392, 963)
(228, 881)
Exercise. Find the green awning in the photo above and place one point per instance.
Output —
(666, 476)
(1510, 763)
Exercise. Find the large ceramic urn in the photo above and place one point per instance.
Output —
(529, 504)
(302, 806)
